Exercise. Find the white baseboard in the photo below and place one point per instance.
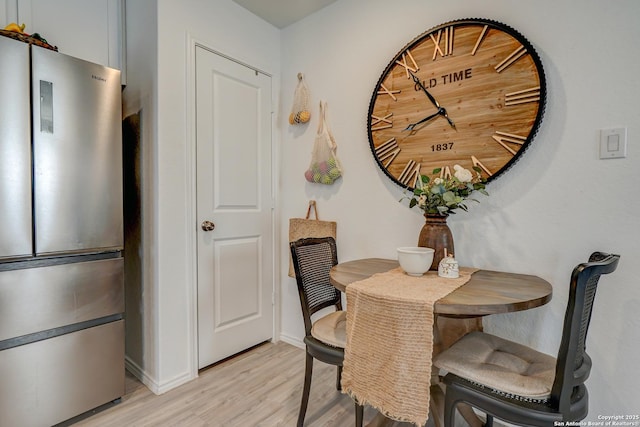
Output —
(151, 383)
(140, 374)
(294, 341)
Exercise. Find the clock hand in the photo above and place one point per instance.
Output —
(424, 89)
(426, 119)
(441, 110)
(446, 116)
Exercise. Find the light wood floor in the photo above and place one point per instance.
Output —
(261, 387)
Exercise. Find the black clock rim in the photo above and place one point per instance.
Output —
(458, 22)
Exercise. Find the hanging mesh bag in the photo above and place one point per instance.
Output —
(325, 166)
(300, 110)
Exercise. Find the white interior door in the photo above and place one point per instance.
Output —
(234, 191)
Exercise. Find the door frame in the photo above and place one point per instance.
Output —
(192, 255)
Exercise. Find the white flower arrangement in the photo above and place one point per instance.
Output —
(441, 195)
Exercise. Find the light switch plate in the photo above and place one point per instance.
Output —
(613, 143)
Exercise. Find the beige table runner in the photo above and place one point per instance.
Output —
(387, 360)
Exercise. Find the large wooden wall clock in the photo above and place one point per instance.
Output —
(468, 92)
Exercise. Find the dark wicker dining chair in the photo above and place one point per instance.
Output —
(325, 338)
(518, 384)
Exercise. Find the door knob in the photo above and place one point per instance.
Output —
(208, 226)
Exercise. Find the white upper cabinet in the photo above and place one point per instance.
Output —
(92, 30)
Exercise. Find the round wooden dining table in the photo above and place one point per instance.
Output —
(458, 313)
(487, 292)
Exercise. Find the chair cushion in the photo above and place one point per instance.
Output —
(331, 329)
(502, 365)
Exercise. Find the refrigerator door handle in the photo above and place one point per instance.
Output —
(46, 106)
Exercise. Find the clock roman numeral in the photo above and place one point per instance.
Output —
(512, 58)
(386, 121)
(477, 163)
(388, 92)
(502, 137)
(445, 172)
(387, 152)
(522, 96)
(413, 67)
(446, 36)
(410, 175)
(480, 38)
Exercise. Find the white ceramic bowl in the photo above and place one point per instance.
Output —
(415, 261)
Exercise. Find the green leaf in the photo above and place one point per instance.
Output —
(449, 197)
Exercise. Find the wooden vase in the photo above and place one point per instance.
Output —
(436, 234)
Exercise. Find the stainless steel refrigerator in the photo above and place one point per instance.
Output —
(61, 236)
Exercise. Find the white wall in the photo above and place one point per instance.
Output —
(161, 35)
(8, 12)
(557, 205)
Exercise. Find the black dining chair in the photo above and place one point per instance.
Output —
(518, 384)
(325, 338)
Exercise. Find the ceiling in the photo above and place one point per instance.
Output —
(283, 12)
